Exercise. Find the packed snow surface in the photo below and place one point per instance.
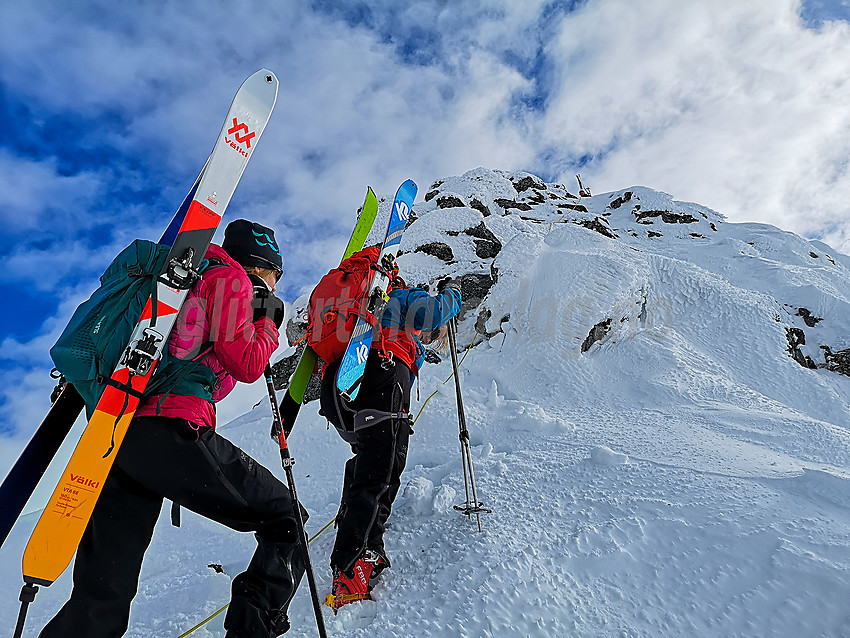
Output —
(656, 461)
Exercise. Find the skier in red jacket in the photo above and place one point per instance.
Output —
(229, 326)
(377, 426)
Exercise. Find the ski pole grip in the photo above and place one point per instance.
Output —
(277, 426)
(28, 592)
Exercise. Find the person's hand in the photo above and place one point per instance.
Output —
(448, 282)
(265, 304)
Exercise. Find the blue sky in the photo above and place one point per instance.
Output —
(110, 109)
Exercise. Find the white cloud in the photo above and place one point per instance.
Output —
(31, 189)
(734, 105)
(731, 104)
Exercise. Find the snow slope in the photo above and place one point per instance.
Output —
(681, 475)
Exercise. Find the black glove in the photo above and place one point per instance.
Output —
(448, 282)
(432, 357)
(265, 304)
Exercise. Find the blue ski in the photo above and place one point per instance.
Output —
(354, 361)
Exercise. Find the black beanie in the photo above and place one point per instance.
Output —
(252, 244)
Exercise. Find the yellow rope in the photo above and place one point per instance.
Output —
(204, 622)
(316, 535)
(561, 221)
(423, 406)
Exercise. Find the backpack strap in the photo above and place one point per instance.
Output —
(209, 264)
(185, 367)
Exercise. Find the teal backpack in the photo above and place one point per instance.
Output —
(94, 340)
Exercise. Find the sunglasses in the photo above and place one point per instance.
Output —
(278, 271)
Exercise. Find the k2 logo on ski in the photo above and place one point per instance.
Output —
(402, 211)
(362, 353)
(239, 131)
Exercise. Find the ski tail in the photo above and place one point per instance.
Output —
(26, 473)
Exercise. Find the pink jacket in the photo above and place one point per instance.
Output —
(217, 309)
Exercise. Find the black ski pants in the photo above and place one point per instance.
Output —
(203, 472)
(373, 475)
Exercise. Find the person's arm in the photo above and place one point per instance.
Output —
(243, 346)
(427, 313)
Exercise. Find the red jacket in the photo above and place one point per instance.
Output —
(217, 309)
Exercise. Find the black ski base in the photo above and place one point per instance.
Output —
(24, 476)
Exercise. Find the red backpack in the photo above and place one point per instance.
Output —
(336, 303)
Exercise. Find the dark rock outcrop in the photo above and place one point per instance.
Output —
(487, 245)
(431, 194)
(295, 330)
(599, 224)
(808, 318)
(450, 201)
(796, 338)
(437, 249)
(473, 290)
(837, 361)
(597, 333)
(666, 216)
(528, 182)
(480, 207)
(509, 204)
(579, 208)
(622, 199)
(283, 369)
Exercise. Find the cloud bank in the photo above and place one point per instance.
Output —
(740, 106)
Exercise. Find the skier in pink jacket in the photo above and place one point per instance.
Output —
(226, 331)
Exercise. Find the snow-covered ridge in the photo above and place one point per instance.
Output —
(499, 230)
(662, 453)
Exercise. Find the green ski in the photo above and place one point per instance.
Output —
(294, 397)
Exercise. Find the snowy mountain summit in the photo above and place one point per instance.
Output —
(658, 406)
(650, 262)
(658, 401)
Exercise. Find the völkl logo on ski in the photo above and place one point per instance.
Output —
(237, 131)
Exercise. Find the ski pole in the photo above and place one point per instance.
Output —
(287, 461)
(473, 506)
(28, 593)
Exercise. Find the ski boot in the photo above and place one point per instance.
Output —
(355, 584)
